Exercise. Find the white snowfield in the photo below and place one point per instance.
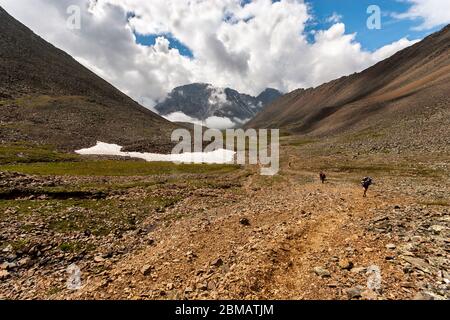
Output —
(221, 156)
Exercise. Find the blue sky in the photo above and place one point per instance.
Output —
(149, 40)
(353, 14)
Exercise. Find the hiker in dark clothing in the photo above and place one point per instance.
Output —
(323, 177)
(366, 182)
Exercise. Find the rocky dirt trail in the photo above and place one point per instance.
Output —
(288, 240)
(233, 236)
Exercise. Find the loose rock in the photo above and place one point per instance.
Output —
(354, 293)
(146, 270)
(321, 272)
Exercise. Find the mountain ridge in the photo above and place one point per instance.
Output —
(403, 85)
(202, 101)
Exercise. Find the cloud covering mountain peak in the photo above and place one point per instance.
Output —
(214, 107)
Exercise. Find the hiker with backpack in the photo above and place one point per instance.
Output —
(366, 182)
(323, 177)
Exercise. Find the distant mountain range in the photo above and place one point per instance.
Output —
(47, 97)
(202, 101)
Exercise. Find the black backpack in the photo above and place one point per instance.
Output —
(366, 182)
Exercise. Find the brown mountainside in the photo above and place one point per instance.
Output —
(407, 93)
(47, 97)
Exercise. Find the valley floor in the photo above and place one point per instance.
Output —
(230, 233)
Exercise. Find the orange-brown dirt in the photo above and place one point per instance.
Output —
(239, 235)
(297, 228)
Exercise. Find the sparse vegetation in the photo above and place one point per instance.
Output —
(363, 135)
(23, 152)
(117, 168)
(298, 142)
(72, 247)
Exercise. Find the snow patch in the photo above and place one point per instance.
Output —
(220, 156)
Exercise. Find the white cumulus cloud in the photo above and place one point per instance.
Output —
(245, 47)
(433, 13)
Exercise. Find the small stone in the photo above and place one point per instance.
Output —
(203, 286)
(359, 270)
(244, 222)
(419, 264)
(7, 266)
(353, 293)
(188, 290)
(108, 255)
(424, 295)
(8, 248)
(4, 274)
(350, 250)
(190, 256)
(409, 285)
(217, 263)
(321, 272)
(170, 286)
(345, 264)
(212, 286)
(99, 259)
(334, 259)
(146, 270)
(446, 276)
(391, 246)
(24, 262)
(369, 295)
(437, 229)
(368, 249)
(333, 285)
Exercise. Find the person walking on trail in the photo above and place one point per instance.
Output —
(323, 177)
(366, 182)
